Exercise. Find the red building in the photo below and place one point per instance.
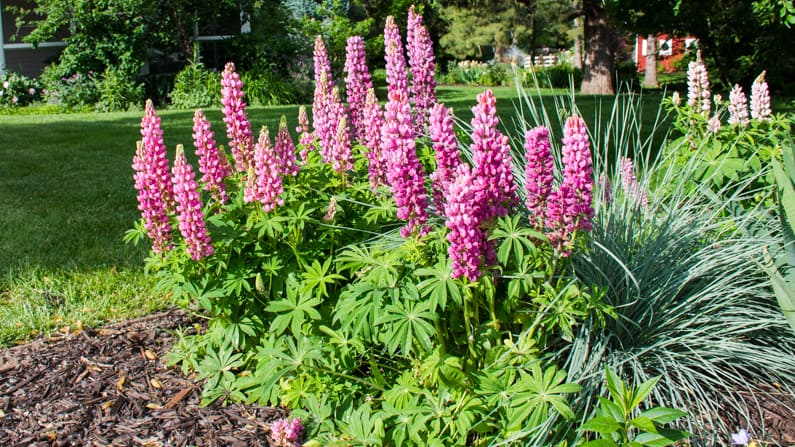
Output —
(669, 51)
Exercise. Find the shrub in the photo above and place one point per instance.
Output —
(118, 91)
(265, 87)
(194, 87)
(75, 91)
(556, 76)
(17, 90)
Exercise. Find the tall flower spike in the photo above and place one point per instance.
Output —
(491, 156)
(264, 182)
(698, 95)
(212, 163)
(285, 150)
(539, 168)
(468, 239)
(422, 63)
(760, 99)
(238, 128)
(323, 124)
(357, 82)
(738, 106)
(153, 181)
(396, 76)
(569, 208)
(189, 209)
(286, 433)
(448, 157)
(373, 123)
(405, 174)
(338, 152)
(629, 183)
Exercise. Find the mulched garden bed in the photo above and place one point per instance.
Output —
(110, 386)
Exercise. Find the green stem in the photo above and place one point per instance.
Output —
(467, 321)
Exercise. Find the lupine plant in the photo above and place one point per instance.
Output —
(339, 289)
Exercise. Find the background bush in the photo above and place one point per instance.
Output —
(118, 91)
(195, 86)
(17, 90)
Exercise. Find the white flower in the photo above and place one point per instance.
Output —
(5, 85)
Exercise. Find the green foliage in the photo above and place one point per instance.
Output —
(477, 73)
(195, 87)
(79, 91)
(18, 90)
(620, 422)
(118, 91)
(266, 87)
(557, 76)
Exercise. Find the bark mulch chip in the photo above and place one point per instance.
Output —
(110, 387)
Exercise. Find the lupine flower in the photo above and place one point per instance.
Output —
(713, 125)
(357, 82)
(285, 150)
(404, 171)
(373, 123)
(717, 99)
(238, 128)
(539, 168)
(421, 61)
(469, 244)
(338, 152)
(448, 157)
(189, 208)
(396, 77)
(212, 162)
(760, 99)
(264, 181)
(323, 124)
(491, 156)
(569, 208)
(630, 184)
(741, 437)
(287, 433)
(738, 106)
(675, 99)
(698, 95)
(606, 188)
(306, 139)
(153, 181)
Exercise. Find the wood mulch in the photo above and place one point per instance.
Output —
(110, 387)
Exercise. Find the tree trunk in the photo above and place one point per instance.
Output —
(650, 75)
(597, 70)
(577, 38)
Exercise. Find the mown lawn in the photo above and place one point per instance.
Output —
(67, 198)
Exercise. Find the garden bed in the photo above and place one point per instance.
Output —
(110, 386)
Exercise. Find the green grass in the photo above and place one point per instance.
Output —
(67, 198)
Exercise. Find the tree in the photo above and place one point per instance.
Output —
(650, 74)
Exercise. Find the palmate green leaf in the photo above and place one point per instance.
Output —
(317, 278)
(378, 266)
(439, 286)
(362, 426)
(358, 308)
(293, 310)
(515, 239)
(403, 394)
(407, 324)
(535, 392)
(218, 364)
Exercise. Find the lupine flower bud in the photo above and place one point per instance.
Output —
(287, 433)
(212, 163)
(738, 106)
(713, 125)
(373, 123)
(153, 181)
(306, 139)
(285, 150)
(189, 208)
(760, 99)
(448, 157)
(405, 174)
(264, 182)
(698, 95)
(421, 61)
(629, 183)
(675, 99)
(469, 244)
(238, 128)
(569, 208)
(539, 168)
(491, 156)
(357, 82)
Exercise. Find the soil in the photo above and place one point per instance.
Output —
(110, 387)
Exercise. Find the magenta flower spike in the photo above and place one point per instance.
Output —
(698, 95)
(286, 433)
(469, 244)
(422, 66)
(238, 128)
(539, 169)
(357, 82)
(212, 162)
(264, 181)
(153, 181)
(373, 123)
(405, 174)
(306, 139)
(445, 147)
(760, 99)
(323, 122)
(569, 208)
(338, 152)
(285, 150)
(491, 157)
(396, 76)
(738, 106)
(189, 209)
